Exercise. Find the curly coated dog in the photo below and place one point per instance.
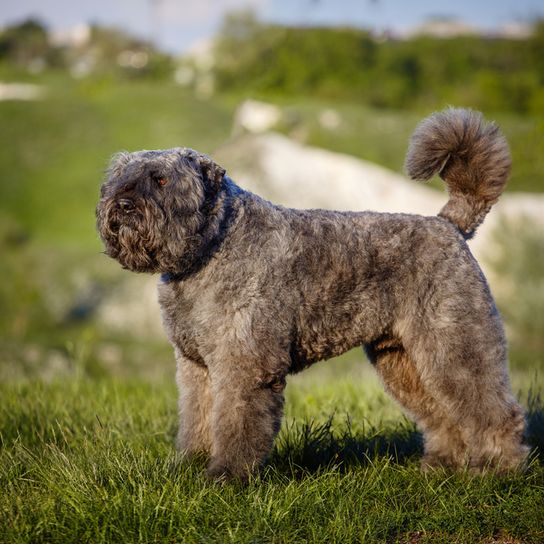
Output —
(251, 291)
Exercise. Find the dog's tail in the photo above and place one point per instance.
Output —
(469, 154)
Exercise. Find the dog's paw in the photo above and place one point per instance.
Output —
(218, 472)
(431, 463)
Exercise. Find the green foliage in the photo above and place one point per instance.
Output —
(114, 52)
(496, 74)
(20, 297)
(295, 60)
(53, 152)
(93, 461)
(107, 51)
(520, 263)
(24, 42)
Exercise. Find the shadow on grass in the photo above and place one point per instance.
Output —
(310, 447)
(535, 424)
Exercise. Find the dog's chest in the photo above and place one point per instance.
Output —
(177, 311)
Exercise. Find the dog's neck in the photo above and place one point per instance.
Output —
(220, 212)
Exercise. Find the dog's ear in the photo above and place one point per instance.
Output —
(211, 170)
(117, 163)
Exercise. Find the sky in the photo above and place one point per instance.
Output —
(177, 25)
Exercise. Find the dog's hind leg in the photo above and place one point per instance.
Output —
(471, 385)
(443, 442)
(459, 350)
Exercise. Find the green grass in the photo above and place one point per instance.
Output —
(93, 461)
(53, 152)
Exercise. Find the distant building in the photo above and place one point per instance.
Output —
(515, 30)
(443, 27)
(76, 36)
(452, 27)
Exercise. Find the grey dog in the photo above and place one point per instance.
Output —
(251, 291)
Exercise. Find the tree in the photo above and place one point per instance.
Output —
(25, 42)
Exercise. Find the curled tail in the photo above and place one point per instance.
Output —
(470, 155)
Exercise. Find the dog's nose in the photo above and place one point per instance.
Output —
(125, 204)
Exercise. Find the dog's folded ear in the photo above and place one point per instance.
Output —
(211, 170)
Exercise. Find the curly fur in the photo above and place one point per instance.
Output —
(251, 291)
(470, 155)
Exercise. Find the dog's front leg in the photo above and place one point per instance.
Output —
(246, 416)
(195, 403)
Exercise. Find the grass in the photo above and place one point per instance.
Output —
(93, 461)
(53, 152)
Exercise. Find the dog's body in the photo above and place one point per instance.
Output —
(251, 292)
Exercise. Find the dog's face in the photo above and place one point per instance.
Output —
(154, 205)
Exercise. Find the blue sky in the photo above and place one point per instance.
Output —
(178, 24)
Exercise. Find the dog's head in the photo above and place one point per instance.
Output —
(154, 205)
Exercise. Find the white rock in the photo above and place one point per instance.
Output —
(20, 91)
(254, 116)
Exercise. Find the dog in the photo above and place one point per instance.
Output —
(251, 291)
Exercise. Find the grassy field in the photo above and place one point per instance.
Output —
(86, 446)
(93, 461)
(53, 152)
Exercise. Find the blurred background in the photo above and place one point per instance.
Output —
(308, 102)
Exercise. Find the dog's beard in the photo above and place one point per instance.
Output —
(134, 239)
(150, 238)
(132, 252)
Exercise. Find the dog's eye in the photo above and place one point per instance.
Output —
(162, 181)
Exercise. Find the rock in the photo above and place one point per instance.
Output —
(256, 117)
